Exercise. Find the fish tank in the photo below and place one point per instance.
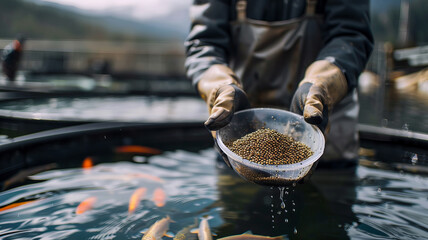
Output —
(115, 181)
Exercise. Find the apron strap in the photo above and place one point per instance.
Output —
(310, 7)
(241, 9)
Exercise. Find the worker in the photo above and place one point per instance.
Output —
(298, 55)
(10, 58)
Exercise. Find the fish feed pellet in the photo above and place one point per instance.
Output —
(270, 147)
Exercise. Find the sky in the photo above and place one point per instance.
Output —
(136, 9)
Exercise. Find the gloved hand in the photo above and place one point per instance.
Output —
(220, 89)
(323, 86)
(223, 94)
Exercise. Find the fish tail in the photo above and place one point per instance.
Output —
(169, 219)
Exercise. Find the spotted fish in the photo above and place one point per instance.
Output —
(158, 230)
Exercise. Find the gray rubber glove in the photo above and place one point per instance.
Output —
(323, 86)
(222, 92)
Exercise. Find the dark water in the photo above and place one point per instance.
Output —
(407, 110)
(365, 204)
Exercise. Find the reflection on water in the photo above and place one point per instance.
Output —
(362, 204)
(407, 110)
(123, 108)
(380, 106)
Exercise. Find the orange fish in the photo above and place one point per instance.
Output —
(86, 205)
(159, 197)
(137, 149)
(14, 205)
(87, 163)
(135, 199)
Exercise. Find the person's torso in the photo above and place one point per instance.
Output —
(270, 56)
(275, 10)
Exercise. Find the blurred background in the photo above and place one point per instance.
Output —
(101, 86)
(131, 47)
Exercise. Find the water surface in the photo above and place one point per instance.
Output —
(366, 204)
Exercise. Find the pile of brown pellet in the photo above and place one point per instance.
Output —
(268, 146)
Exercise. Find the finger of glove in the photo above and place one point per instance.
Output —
(299, 98)
(220, 118)
(315, 112)
(230, 98)
(222, 108)
(314, 105)
(240, 99)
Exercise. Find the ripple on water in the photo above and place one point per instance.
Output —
(194, 187)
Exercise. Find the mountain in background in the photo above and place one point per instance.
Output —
(173, 26)
(45, 20)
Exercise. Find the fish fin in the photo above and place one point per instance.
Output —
(281, 237)
(248, 232)
(169, 234)
(169, 218)
(194, 230)
(144, 231)
(214, 234)
(207, 217)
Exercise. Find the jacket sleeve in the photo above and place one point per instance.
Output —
(348, 40)
(208, 42)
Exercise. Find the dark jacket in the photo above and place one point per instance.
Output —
(346, 28)
(10, 58)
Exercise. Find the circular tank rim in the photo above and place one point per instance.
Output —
(55, 117)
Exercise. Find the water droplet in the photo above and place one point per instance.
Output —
(405, 127)
(282, 205)
(286, 192)
(295, 230)
(384, 122)
(294, 184)
(273, 226)
(279, 212)
(415, 159)
(273, 216)
(271, 210)
(271, 196)
(281, 192)
(293, 204)
(379, 190)
(294, 210)
(286, 220)
(273, 220)
(339, 225)
(285, 210)
(271, 205)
